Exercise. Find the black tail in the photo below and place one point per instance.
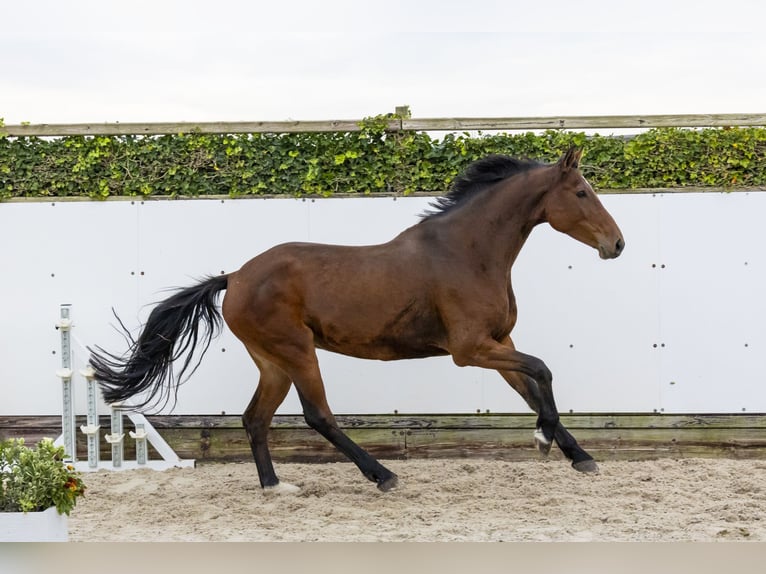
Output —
(172, 331)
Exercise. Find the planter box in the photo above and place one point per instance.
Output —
(45, 526)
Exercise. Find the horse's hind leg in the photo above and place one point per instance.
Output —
(298, 359)
(318, 416)
(527, 388)
(272, 389)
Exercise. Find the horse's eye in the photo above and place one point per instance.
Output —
(582, 193)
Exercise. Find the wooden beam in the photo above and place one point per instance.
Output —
(639, 436)
(394, 124)
(583, 122)
(150, 129)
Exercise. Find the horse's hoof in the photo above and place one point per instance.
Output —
(542, 444)
(389, 483)
(586, 466)
(282, 488)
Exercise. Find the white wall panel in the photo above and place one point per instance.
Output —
(594, 322)
(712, 305)
(75, 253)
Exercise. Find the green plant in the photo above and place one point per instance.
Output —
(371, 160)
(34, 479)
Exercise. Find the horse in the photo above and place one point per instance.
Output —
(440, 287)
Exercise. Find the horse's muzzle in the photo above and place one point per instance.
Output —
(611, 251)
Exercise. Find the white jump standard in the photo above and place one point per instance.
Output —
(144, 433)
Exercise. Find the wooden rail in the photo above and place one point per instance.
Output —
(584, 122)
(498, 436)
(395, 124)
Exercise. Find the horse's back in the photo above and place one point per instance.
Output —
(366, 301)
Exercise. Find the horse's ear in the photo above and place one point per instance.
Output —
(571, 159)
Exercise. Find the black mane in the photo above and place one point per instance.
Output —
(478, 176)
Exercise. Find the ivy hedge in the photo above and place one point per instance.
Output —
(365, 162)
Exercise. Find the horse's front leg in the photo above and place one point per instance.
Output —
(530, 392)
(503, 357)
(527, 388)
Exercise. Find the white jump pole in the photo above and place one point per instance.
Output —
(91, 428)
(115, 437)
(65, 374)
(141, 447)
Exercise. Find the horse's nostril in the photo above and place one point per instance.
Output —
(620, 245)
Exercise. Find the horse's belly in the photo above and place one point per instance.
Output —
(382, 350)
(406, 335)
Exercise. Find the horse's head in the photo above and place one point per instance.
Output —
(572, 207)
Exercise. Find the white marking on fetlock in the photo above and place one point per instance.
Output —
(540, 437)
(282, 488)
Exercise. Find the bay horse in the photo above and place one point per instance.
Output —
(441, 287)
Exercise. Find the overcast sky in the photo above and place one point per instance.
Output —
(104, 61)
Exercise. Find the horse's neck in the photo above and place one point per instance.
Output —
(496, 224)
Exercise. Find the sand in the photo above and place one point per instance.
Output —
(437, 500)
